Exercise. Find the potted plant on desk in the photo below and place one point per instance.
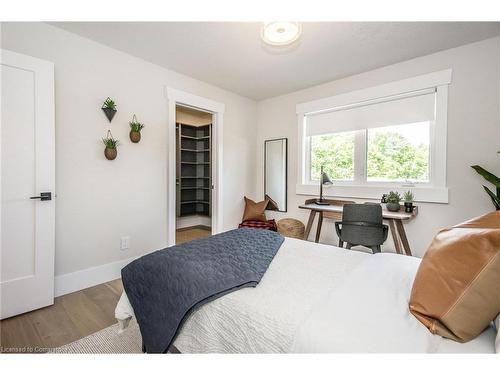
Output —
(408, 198)
(393, 199)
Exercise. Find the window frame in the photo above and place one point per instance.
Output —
(434, 191)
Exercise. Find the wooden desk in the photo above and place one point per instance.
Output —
(334, 211)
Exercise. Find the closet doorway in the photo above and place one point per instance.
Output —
(189, 103)
(193, 196)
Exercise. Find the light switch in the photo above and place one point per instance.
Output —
(125, 243)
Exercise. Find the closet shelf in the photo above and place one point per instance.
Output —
(191, 150)
(197, 214)
(193, 141)
(195, 138)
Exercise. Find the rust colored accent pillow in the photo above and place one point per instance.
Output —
(255, 211)
(456, 292)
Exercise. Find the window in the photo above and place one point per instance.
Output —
(379, 139)
(398, 153)
(336, 153)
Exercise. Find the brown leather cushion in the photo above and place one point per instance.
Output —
(255, 211)
(456, 292)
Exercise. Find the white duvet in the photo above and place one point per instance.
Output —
(316, 298)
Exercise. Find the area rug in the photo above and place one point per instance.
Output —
(106, 341)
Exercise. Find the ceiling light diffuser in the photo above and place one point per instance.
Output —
(280, 33)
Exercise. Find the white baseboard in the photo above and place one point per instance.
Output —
(75, 281)
(192, 221)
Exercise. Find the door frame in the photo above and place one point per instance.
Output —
(176, 97)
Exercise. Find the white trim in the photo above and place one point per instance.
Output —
(193, 221)
(436, 190)
(78, 280)
(403, 86)
(191, 100)
(422, 194)
(439, 137)
(217, 109)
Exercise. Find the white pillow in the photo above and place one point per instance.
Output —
(497, 341)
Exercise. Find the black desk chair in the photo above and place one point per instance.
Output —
(362, 225)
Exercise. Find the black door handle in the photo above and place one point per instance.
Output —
(44, 197)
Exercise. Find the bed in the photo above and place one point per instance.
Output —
(317, 298)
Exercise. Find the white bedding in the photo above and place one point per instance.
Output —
(318, 298)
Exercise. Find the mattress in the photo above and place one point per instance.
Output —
(318, 298)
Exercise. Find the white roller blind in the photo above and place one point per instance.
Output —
(386, 112)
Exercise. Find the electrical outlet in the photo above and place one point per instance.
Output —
(124, 243)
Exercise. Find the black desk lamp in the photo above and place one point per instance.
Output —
(324, 180)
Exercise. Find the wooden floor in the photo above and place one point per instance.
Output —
(72, 316)
(189, 234)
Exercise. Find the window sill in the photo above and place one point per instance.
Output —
(422, 193)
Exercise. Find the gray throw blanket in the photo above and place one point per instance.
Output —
(165, 286)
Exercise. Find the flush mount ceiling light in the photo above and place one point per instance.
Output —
(280, 33)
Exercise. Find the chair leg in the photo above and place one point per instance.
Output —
(341, 243)
(376, 249)
(348, 246)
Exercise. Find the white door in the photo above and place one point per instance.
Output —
(27, 172)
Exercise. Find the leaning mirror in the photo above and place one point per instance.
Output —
(275, 173)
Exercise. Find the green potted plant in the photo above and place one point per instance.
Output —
(110, 144)
(490, 177)
(109, 108)
(135, 130)
(408, 199)
(393, 199)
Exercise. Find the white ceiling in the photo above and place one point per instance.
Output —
(232, 56)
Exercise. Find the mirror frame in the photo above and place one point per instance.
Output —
(286, 169)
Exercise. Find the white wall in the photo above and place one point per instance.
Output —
(473, 133)
(98, 201)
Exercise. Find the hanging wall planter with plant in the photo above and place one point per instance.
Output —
(109, 108)
(135, 130)
(110, 151)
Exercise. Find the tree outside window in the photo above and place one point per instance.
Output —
(394, 154)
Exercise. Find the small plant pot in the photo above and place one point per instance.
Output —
(109, 112)
(409, 207)
(135, 136)
(110, 153)
(393, 207)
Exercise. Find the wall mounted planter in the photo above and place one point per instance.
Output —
(135, 137)
(110, 113)
(135, 130)
(110, 151)
(109, 108)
